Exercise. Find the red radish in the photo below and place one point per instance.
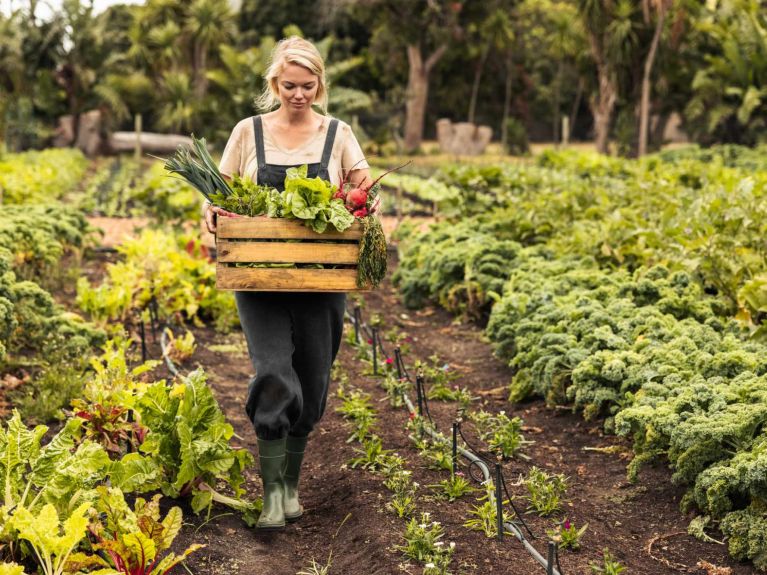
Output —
(357, 197)
(361, 213)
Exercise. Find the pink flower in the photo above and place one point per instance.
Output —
(361, 213)
(567, 524)
(370, 341)
(412, 415)
(389, 361)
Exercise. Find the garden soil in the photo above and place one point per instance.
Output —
(346, 523)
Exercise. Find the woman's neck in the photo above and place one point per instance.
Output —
(294, 117)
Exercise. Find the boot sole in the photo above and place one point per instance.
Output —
(293, 518)
(277, 527)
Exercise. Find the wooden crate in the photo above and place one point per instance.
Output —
(273, 240)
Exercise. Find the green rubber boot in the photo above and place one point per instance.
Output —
(294, 455)
(271, 455)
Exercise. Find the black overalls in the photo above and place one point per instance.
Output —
(292, 337)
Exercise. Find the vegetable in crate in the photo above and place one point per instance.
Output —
(315, 201)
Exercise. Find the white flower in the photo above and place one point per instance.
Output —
(423, 526)
(452, 545)
(439, 543)
(429, 566)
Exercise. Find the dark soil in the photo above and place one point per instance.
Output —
(346, 522)
(346, 518)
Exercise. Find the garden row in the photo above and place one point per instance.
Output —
(63, 505)
(632, 290)
(116, 186)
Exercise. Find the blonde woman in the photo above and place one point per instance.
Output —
(292, 337)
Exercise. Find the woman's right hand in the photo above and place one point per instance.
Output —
(211, 214)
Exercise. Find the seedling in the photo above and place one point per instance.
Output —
(566, 535)
(609, 566)
(545, 491)
(455, 487)
(422, 543)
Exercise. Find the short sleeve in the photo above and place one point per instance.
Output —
(231, 159)
(352, 157)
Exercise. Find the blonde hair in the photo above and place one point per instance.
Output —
(293, 50)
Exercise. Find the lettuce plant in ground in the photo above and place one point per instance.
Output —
(189, 439)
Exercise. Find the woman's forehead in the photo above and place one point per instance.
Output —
(296, 74)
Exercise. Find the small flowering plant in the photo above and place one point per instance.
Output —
(455, 487)
(423, 543)
(567, 535)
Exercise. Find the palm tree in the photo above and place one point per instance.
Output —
(208, 23)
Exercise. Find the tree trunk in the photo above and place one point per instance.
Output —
(576, 105)
(644, 106)
(507, 96)
(475, 86)
(603, 104)
(417, 93)
(200, 65)
(557, 101)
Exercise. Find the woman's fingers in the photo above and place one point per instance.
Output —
(225, 213)
(210, 220)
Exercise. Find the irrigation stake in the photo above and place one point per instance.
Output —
(142, 333)
(498, 501)
(419, 392)
(455, 447)
(398, 361)
(357, 323)
(551, 560)
(374, 342)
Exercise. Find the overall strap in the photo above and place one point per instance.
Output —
(258, 130)
(329, 141)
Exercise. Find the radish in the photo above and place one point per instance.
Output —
(357, 197)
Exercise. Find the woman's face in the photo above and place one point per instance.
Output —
(297, 87)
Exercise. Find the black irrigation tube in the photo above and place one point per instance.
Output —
(548, 562)
(474, 460)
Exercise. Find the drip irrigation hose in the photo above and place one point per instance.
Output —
(482, 465)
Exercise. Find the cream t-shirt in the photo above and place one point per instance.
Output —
(239, 157)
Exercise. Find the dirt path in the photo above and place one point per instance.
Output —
(346, 508)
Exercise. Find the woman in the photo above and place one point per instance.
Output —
(292, 338)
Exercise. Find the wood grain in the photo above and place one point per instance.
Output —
(279, 279)
(262, 227)
(277, 252)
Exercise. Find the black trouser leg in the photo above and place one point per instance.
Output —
(293, 339)
(317, 330)
(274, 394)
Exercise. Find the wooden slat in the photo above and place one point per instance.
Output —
(298, 253)
(262, 227)
(277, 279)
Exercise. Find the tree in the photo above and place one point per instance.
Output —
(425, 29)
(660, 8)
(208, 23)
(611, 31)
(494, 32)
(729, 100)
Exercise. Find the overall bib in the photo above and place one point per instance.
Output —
(292, 337)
